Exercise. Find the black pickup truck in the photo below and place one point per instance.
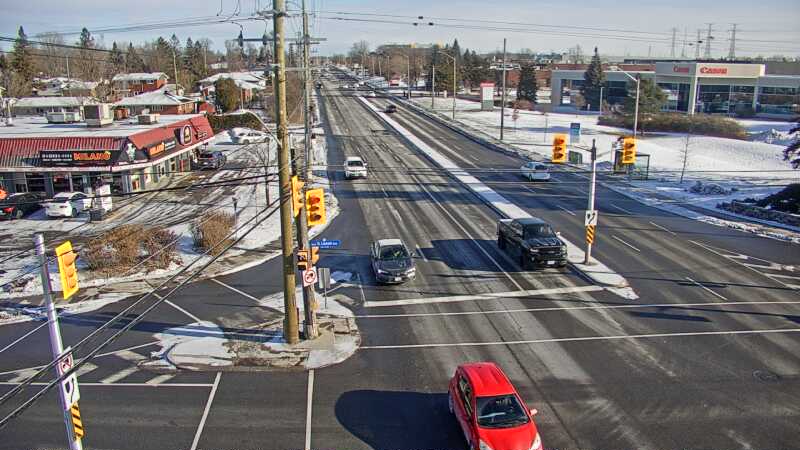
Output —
(532, 242)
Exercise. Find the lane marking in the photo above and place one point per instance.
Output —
(205, 411)
(82, 384)
(663, 228)
(711, 249)
(419, 250)
(160, 379)
(309, 404)
(125, 349)
(565, 209)
(706, 288)
(629, 245)
(128, 355)
(188, 314)
(790, 277)
(573, 308)
(24, 336)
(582, 339)
(85, 368)
(489, 296)
(620, 208)
(225, 285)
(120, 375)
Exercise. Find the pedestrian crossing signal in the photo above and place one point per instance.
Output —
(66, 269)
(560, 148)
(302, 260)
(315, 207)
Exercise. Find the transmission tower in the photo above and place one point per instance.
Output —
(672, 49)
(707, 54)
(732, 50)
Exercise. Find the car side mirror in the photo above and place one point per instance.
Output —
(534, 412)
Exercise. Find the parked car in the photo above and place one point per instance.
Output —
(355, 167)
(67, 204)
(532, 241)
(391, 261)
(390, 109)
(250, 137)
(15, 206)
(534, 171)
(491, 413)
(210, 160)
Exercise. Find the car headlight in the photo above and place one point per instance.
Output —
(534, 250)
(564, 249)
(483, 446)
(383, 272)
(537, 443)
(411, 271)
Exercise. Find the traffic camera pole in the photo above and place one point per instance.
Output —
(56, 345)
(309, 298)
(290, 325)
(587, 259)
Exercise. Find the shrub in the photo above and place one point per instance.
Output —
(787, 200)
(211, 229)
(679, 123)
(744, 111)
(127, 246)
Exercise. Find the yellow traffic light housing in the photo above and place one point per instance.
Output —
(297, 195)
(560, 148)
(315, 206)
(314, 255)
(628, 150)
(66, 269)
(302, 260)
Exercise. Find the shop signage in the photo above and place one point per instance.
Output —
(680, 69)
(169, 145)
(185, 135)
(714, 70)
(78, 157)
(155, 150)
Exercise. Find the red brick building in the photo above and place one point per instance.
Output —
(130, 84)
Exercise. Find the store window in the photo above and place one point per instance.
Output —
(714, 99)
(35, 182)
(779, 100)
(61, 182)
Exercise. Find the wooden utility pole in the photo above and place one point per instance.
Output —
(290, 324)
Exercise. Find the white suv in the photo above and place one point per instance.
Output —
(535, 171)
(355, 167)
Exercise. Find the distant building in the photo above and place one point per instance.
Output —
(38, 106)
(130, 84)
(65, 87)
(162, 102)
(247, 82)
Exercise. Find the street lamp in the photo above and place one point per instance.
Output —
(408, 73)
(454, 83)
(636, 107)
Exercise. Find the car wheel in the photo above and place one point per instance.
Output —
(18, 214)
(450, 403)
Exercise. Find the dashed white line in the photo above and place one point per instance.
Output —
(205, 412)
(582, 339)
(476, 297)
(659, 226)
(160, 379)
(565, 209)
(706, 288)
(119, 375)
(629, 245)
(309, 404)
(620, 208)
(225, 285)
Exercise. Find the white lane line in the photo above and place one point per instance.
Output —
(188, 314)
(620, 208)
(420, 252)
(126, 349)
(789, 277)
(25, 335)
(573, 308)
(361, 288)
(711, 249)
(581, 339)
(629, 245)
(565, 209)
(160, 379)
(23, 374)
(489, 296)
(225, 285)
(205, 411)
(82, 384)
(120, 375)
(707, 289)
(84, 369)
(663, 228)
(309, 404)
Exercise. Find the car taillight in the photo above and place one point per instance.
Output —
(8, 210)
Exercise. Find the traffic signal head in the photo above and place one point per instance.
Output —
(315, 206)
(559, 148)
(302, 260)
(66, 269)
(297, 195)
(628, 150)
(314, 255)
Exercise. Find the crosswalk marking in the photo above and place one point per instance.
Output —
(478, 297)
(119, 375)
(128, 355)
(161, 378)
(23, 375)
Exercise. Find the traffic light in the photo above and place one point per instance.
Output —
(297, 195)
(314, 255)
(302, 260)
(629, 150)
(315, 206)
(66, 268)
(560, 148)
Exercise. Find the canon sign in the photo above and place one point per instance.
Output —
(679, 69)
(714, 70)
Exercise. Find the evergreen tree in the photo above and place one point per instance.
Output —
(456, 51)
(651, 98)
(527, 87)
(792, 152)
(134, 62)
(22, 59)
(116, 60)
(226, 94)
(86, 40)
(200, 61)
(593, 80)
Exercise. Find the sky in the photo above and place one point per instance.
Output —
(619, 27)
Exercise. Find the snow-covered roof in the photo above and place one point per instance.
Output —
(154, 98)
(54, 102)
(39, 127)
(249, 77)
(140, 76)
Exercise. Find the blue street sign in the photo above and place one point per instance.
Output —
(575, 133)
(326, 243)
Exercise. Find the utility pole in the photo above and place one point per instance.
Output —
(587, 259)
(290, 325)
(175, 70)
(503, 101)
(309, 299)
(56, 345)
(433, 84)
(732, 50)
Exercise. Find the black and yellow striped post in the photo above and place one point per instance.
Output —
(590, 234)
(77, 424)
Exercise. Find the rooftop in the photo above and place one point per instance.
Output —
(37, 127)
(139, 76)
(46, 102)
(154, 98)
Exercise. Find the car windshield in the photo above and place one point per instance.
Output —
(13, 199)
(502, 411)
(393, 252)
(541, 167)
(355, 164)
(206, 155)
(538, 231)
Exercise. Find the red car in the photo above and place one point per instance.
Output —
(489, 410)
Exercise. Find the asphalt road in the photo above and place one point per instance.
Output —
(663, 371)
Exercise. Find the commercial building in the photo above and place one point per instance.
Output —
(37, 156)
(711, 88)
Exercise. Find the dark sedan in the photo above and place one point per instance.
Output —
(391, 261)
(16, 206)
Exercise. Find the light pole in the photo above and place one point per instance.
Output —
(408, 73)
(454, 83)
(637, 79)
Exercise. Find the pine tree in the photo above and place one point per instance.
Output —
(134, 62)
(22, 59)
(200, 61)
(651, 98)
(593, 80)
(792, 152)
(527, 87)
(116, 60)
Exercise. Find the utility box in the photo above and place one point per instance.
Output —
(98, 115)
